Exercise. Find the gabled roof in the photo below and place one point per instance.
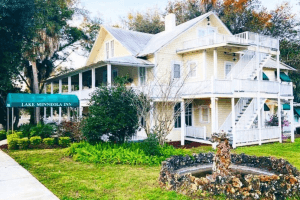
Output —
(272, 63)
(133, 41)
(163, 38)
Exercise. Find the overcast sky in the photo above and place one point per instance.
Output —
(112, 10)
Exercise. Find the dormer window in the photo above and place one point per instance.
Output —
(110, 49)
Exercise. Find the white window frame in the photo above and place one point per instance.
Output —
(107, 51)
(227, 62)
(189, 69)
(206, 30)
(179, 115)
(112, 73)
(172, 69)
(112, 48)
(200, 113)
(140, 77)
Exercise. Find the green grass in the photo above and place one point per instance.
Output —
(288, 151)
(77, 180)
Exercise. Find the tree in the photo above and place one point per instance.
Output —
(113, 113)
(186, 10)
(147, 22)
(15, 29)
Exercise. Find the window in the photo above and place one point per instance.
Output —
(201, 32)
(204, 114)
(142, 122)
(177, 115)
(192, 69)
(228, 67)
(107, 50)
(188, 114)
(114, 73)
(142, 75)
(112, 48)
(176, 71)
(206, 31)
(104, 77)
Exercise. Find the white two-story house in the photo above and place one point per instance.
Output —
(231, 82)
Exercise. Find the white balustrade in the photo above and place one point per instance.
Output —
(286, 89)
(196, 132)
(252, 135)
(245, 38)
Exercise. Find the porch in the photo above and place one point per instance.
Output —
(216, 40)
(245, 120)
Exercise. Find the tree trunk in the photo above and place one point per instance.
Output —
(35, 90)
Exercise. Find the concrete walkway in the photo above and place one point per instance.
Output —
(16, 183)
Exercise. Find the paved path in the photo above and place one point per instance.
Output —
(3, 142)
(16, 183)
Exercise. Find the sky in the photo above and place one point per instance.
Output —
(112, 10)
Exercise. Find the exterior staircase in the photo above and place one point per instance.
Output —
(246, 111)
(246, 67)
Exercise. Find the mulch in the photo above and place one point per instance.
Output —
(188, 144)
(4, 146)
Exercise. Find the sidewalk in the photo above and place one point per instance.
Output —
(16, 183)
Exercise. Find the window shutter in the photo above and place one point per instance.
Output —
(112, 48)
(107, 50)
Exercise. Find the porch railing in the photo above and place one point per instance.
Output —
(245, 38)
(196, 132)
(252, 135)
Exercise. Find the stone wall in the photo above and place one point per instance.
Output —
(285, 182)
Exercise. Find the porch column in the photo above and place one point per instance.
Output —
(213, 114)
(80, 111)
(60, 91)
(7, 119)
(233, 123)
(45, 108)
(69, 84)
(279, 118)
(109, 74)
(51, 109)
(69, 90)
(259, 121)
(12, 119)
(93, 78)
(292, 120)
(204, 64)
(80, 85)
(278, 69)
(215, 63)
(217, 114)
(183, 126)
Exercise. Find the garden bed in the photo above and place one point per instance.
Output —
(187, 145)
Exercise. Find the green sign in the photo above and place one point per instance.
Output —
(41, 100)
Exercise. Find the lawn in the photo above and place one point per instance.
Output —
(76, 180)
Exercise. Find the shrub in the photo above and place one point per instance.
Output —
(23, 143)
(42, 130)
(12, 141)
(25, 129)
(35, 140)
(72, 130)
(2, 135)
(64, 141)
(113, 112)
(151, 145)
(126, 153)
(48, 141)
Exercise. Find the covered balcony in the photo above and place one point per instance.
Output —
(215, 40)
